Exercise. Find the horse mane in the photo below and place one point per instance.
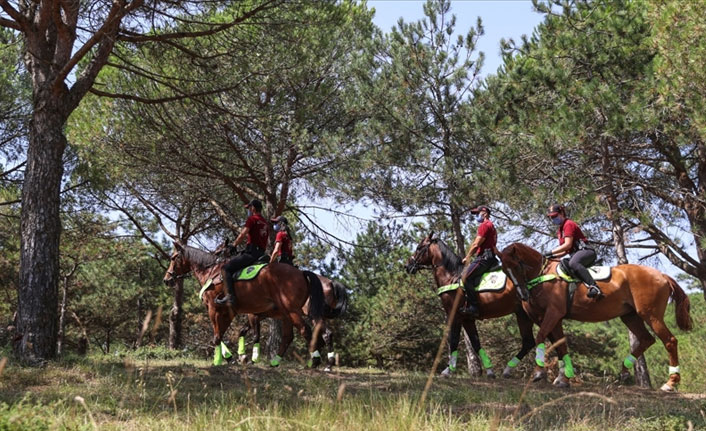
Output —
(449, 259)
(199, 257)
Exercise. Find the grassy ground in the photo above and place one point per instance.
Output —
(184, 394)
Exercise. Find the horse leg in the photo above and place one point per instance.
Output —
(220, 322)
(331, 355)
(552, 318)
(454, 338)
(242, 357)
(644, 340)
(472, 331)
(566, 366)
(524, 323)
(287, 337)
(670, 343)
(255, 324)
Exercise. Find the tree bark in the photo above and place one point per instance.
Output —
(62, 317)
(474, 367)
(40, 232)
(176, 316)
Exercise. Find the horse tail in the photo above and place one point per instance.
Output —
(341, 294)
(682, 305)
(316, 295)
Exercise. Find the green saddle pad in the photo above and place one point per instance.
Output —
(489, 282)
(250, 272)
(598, 273)
(492, 281)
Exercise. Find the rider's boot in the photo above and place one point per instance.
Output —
(229, 298)
(471, 308)
(594, 291)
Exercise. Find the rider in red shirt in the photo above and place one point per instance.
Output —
(283, 241)
(484, 251)
(573, 243)
(255, 235)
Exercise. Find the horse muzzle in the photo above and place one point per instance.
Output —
(411, 268)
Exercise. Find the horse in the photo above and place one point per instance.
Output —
(447, 266)
(279, 291)
(336, 303)
(635, 293)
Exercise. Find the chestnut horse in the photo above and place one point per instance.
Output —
(279, 291)
(635, 293)
(434, 254)
(336, 303)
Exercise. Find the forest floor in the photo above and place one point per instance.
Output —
(186, 394)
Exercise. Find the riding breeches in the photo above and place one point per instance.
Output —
(579, 261)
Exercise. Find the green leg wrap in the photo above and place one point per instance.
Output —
(630, 361)
(241, 346)
(512, 363)
(484, 359)
(276, 361)
(453, 359)
(217, 357)
(539, 359)
(568, 367)
(256, 353)
(225, 352)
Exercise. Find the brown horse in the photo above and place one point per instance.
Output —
(336, 303)
(278, 291)
(637, 294)
(433, 253)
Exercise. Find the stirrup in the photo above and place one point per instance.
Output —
(470, 310)
(226, 300)
(594, 292)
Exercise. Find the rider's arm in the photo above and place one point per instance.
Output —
(474, 247)
(243, 234)
(275, 252)
(565, 247)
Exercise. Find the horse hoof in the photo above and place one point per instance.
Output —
(315, 362)
(667, 388)
(539, 376)
(623, 378)
(446, 373)
(561, 382)
(327, 369)
(243, 359)
(507, 372)
(490, 373)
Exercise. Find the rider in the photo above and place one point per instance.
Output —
(255, 231)
(573, 243)
(283, 241)
(484, 249)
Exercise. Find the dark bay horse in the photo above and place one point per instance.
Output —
(335, 305)
(635, 293)
(433, 253)
(279, 291)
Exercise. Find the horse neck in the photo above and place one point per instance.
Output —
(203, 273)
(442, 275)
(536, 269)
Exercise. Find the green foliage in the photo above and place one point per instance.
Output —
(23, 416)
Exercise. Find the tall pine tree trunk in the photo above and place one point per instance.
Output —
(642, 374)
(176, 316)
(40, 232)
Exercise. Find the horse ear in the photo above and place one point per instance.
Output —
(178, 245)
(431, 235)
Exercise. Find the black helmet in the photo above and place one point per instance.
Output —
(254, 203)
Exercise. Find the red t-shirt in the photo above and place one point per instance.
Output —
(487, 231)
(286, 246)
(570, 228)
(257, 230)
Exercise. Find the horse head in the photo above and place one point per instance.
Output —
(422, 256)
(178, 266)
(518, 262)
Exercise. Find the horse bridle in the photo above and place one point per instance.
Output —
(416, 265)
(180, 276)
